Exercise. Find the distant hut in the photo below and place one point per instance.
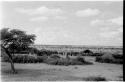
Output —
(87, 52)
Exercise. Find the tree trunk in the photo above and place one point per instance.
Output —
(12, 66)
(10, 59)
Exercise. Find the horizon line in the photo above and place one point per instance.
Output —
(76, 45)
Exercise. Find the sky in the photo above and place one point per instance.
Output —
(67, 22)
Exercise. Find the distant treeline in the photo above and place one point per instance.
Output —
(34, 55)
(41, 52)
(77, 46)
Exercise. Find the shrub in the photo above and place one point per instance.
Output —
(46, 52)
(98, 59)
(65, 61)
(97, 54)
(81, 59)
(34, 51)
(24, 58)
(118, 56)
(87, 53)
(40, 59)
(55, 56)
(51, 61)
(109, 58)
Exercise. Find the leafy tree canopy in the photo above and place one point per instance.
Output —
(15, 39)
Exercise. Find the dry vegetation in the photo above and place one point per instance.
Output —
(73, 60)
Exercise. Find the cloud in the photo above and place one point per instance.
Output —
(87, 12)
(43, 13)
(97, 22)
(43, 10)
(52, 35)
(111, 32)
(39, 19)
(118, 20)
(60, 17)
(109, 28)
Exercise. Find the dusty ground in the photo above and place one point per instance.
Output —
(44, 72)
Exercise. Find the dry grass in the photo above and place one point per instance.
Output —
(44, 72)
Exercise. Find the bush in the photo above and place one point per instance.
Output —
(46, 52)
(62, 61)
(97, 54)
(81, 59)
(65, 61)
(24, 58)
(55, 56)
(34, 51)
(118, 56)
(98, 59)
(109, 58)
(51, 61)
(86, 53)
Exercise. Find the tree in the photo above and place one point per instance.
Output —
(15, 40)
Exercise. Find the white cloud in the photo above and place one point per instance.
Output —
(47, 11)
(44, 18)
(60, 17)
(109, 28)
(87, 12)
(43, 12)
(118, 20)
(113, 21)
(97, 22)
(111, 32)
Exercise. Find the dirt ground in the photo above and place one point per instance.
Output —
(44, 72)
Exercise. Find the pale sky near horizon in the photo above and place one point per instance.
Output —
(67, 22)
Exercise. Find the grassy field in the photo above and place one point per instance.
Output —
(45, 72)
